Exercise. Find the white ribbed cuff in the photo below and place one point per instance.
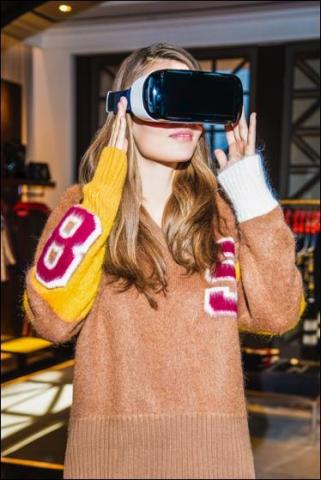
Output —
(247, 184)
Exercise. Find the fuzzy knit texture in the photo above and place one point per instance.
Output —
(160, 394)
(101, 197)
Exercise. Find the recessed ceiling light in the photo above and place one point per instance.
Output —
(65, 8)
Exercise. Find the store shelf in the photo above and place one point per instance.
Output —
(11, 181)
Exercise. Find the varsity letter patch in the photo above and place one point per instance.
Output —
(67, 246)
(222, 300)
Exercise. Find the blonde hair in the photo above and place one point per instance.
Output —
(190, 210)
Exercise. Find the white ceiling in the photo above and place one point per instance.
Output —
(115, 11)
(125, 25)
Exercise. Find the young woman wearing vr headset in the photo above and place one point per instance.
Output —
(156, 264)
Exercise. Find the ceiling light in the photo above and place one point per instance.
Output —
(65, 8)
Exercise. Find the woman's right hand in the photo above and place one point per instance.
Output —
(118, 136)
(112, 165)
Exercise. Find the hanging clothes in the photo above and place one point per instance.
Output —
(27, 220)
(305, 223)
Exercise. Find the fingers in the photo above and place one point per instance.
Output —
(112, 139)
(243, 127)
(221, 158)
(118, 135)
(236, 132)
(250, 147)
(230, 135)
(241, 139)
(120, 140)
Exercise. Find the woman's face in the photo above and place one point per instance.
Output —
(153, 139)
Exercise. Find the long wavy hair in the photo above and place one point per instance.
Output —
(190, 209)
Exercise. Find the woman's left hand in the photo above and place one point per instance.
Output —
(241, 141)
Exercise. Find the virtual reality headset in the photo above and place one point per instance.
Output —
(181, 96)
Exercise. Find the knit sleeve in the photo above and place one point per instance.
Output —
(270, 286)
(62, 283)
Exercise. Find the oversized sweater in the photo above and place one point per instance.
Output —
(160, 393)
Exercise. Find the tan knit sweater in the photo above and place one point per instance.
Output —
(160, 394)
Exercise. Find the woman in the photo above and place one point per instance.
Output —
(157, 268)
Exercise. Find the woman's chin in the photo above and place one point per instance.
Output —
(172, 153)
(183, 156)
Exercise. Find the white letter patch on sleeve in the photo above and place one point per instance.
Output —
(66, 246)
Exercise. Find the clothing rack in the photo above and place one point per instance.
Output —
(303, 216)
(303, 341)
(24, 216)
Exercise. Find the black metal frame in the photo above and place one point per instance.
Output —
(306, 49)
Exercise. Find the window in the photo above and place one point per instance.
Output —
(239, 66)
(304, 154)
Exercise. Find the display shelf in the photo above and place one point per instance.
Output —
(301, 201)
(11, 181)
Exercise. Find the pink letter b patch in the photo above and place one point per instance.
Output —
(66, 246)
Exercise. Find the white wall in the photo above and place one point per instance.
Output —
(52, 139)
(16, 64)
(53, 123)
(47, 96)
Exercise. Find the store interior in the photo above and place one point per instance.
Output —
(56, 70)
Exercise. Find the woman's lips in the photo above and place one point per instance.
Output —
(182, 137)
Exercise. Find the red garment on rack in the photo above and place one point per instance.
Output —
(22, 209)
(26, 221)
